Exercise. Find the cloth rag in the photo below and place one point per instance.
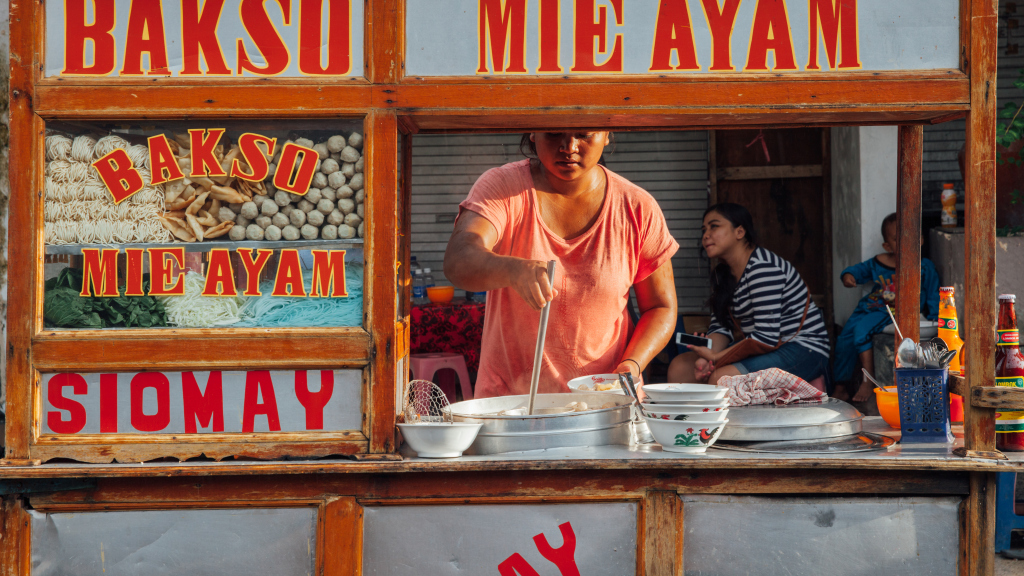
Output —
(771, 386)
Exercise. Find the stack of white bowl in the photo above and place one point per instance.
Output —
(686, 417)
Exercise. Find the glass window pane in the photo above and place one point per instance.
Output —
(199, 225)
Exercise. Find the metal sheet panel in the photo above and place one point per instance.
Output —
(342, 410)
(476, 539)
(745, 535)
(442, 37)
(242, 542)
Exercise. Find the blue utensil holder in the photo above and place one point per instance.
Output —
(924, 405)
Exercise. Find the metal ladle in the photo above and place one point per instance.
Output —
(538, 354)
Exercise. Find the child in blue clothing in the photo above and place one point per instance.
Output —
(870, 317)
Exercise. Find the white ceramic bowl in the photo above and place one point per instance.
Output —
(684, 392)
(591, 382)
(686, 408)
(723, 403)
(440, 439)
(680, 436)
(712, 415)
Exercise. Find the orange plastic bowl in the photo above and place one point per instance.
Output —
(889, 407)
(440, 294)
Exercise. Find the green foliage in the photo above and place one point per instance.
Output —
(63, 306)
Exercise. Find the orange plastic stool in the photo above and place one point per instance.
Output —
(424, 366)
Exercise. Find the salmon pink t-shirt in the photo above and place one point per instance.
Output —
(588, 326)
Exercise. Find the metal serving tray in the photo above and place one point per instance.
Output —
(768, 422)
(519, 433)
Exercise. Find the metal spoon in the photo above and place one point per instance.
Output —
(946, 358)
(907, 354)
(873, 381)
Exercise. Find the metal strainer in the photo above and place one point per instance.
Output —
(425, 402)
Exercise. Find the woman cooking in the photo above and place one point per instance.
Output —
(605, 234)
(759, 294)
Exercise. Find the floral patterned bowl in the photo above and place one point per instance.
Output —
(712, 415)
(683, 436)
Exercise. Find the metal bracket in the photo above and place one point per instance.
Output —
(8, 487)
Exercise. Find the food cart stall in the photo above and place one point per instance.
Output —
(157, 421)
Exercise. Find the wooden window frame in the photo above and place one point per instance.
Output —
(394, 106)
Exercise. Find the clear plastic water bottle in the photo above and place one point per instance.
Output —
(414, 266)
(419, 290)
(428, 279)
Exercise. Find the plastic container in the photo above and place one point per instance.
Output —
(948, 198)
(419, 291)
(889, 407)
(440, 294)
(428, 278)
(924, 405)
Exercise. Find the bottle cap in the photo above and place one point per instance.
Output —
(947, 186)
(1010, 297)
(946, 289)
(426, 270)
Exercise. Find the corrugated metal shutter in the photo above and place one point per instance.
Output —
(672, 166)
(942, 142)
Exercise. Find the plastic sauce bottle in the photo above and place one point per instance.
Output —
(949, 328)
(949, 217)
(1009, 372)
(419, 291)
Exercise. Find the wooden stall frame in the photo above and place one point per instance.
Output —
(392, 103)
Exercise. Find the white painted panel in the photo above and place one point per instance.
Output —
(240, 394)
(442, 37)
(229, 31)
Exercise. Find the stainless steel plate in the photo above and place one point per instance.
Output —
(863, 442)
(518, 433)
(768, 422)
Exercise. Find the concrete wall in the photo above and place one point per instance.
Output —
(863, 194)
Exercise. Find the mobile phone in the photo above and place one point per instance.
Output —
(683, 339)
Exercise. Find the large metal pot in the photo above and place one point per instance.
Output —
(519, 432)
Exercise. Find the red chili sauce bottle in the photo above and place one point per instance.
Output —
(1009, 372)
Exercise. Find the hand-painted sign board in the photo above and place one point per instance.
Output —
(501, 539)
(208, 39)
(567, 37)
(202, 402)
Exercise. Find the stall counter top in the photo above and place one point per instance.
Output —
(650, 457)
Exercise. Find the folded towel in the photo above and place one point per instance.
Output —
(771, 386)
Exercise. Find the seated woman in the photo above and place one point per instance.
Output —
(759, 294)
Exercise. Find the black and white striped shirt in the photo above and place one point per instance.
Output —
(769, 303)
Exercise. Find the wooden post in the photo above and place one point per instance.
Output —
(15, 551)
(908, 252)
(381, 278)
(26, 161)
(980, 224)
(662, 534)
(980, 274)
